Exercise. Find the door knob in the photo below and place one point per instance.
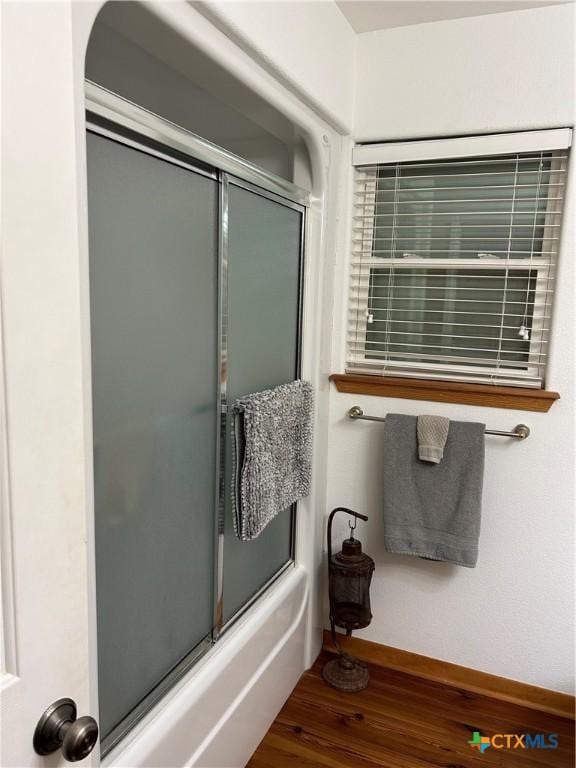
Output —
(59, 727)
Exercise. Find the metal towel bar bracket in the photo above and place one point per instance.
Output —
(520, 431)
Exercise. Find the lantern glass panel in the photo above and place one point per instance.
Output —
(350, 593)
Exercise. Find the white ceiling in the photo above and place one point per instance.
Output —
(368, 15)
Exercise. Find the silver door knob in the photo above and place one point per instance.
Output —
(59, 727)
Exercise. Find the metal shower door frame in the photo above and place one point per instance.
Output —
(116, 118)
(226, 180)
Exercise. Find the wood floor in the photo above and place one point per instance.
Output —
(402, 721)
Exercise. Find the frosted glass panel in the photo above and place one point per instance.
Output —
(153, 283)
(263, 288)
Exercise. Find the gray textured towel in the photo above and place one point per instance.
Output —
(432, 434)
(433, 510)
(272, 455)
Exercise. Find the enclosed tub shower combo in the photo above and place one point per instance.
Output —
(195, 292)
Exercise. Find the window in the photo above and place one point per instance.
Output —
(454, 257)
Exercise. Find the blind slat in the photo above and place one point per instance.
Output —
(411, 190)
(453, 347)
(438, 334)
(456, 200)
(480, 326)
(541, 316)
(381, 259)
(381, 179)
(459, 276)
(452, 373)
(477, 361)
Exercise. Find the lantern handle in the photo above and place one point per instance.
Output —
(348, 512)
(331, 517)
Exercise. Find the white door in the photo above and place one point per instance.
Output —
(45, 450)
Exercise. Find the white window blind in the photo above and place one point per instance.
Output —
(454, 263)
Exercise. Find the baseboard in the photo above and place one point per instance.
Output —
(542, 699)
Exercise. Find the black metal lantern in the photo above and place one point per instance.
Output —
(349, 576)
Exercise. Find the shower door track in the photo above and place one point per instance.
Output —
(106, 108)
(118, 119)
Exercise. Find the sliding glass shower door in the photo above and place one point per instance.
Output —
(153, 284)
(264, 263)
(195, 300)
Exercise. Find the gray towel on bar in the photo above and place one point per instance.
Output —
(433, 510)
(432, 434)
(272, 455)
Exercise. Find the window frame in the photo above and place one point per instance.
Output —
(358, 360)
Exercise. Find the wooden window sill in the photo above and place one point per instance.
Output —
(487, 395)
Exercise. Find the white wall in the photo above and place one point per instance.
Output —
(308, 45)
(513, 615)
(503, 72)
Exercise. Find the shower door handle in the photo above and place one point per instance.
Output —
(59, 727)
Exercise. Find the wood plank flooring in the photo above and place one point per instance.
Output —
(402, 721)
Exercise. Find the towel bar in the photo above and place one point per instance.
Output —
(520, 431)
